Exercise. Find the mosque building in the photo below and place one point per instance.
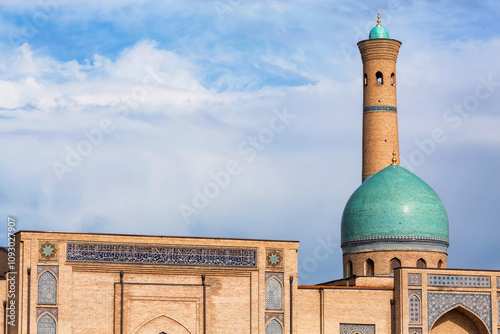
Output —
(394, 239)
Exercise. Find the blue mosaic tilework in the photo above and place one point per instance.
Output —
(415, 330)
(353, 328)
(270, 274)
(171, 255)
(415, 279)
(458, 281)
(274, 258)
(47, 250)
(274, 295)
(53, 269)
(439, 303)
(47, 289)
(415, 297)
(46, 325)
(379, 109)
(42, 310)
(274, 327)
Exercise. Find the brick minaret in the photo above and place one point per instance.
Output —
(380, 121)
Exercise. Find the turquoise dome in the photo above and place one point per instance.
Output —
(379, 32)
(394, 209)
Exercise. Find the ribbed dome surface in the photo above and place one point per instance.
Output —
(395, 206)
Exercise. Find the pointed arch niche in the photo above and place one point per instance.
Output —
(459, 320)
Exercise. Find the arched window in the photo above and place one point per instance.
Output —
(414, 309)
(349, 268)
(273, 295)
(366, 80)
(395, 263)
(46, 325)
(380, 78)
(440, 264)
(274, 327)
(369, 268)
(421, 263)
(393, 79)
(47, 289)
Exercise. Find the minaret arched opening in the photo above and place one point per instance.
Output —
(365, 80)
(421, 263)
(393, 79)
(380, 78)
(395, 263)
(369, 267)
(440, 264)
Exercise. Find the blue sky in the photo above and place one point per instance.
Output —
(160, 96)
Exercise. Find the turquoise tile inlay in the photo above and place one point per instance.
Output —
(370, 109)
(394, 206)
(440, 303)
(459, 281)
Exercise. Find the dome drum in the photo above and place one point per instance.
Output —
(383, 243)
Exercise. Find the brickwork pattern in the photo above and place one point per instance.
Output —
(439, 303)
(355, 328)
(459, 281)
(171, 255)
(414, 279)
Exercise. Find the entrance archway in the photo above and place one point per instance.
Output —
(162, 324)
(459, 320)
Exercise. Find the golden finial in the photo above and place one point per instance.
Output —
(378, 18)
(394, 160)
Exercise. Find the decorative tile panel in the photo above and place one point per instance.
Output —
(278, 316)
(370, 109)
(274, 295)
(439, 303)
(415, 279)
(414, 303)
(498, 282)
(46, 325)
(353, 328)
(47, 289)
(415, 330)
(279, 276)
(498, 299)
(274, 327)
(47, 250)
(53, 269)
(459, 281)
(42, 310)
(169, 255)
(274, 258)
